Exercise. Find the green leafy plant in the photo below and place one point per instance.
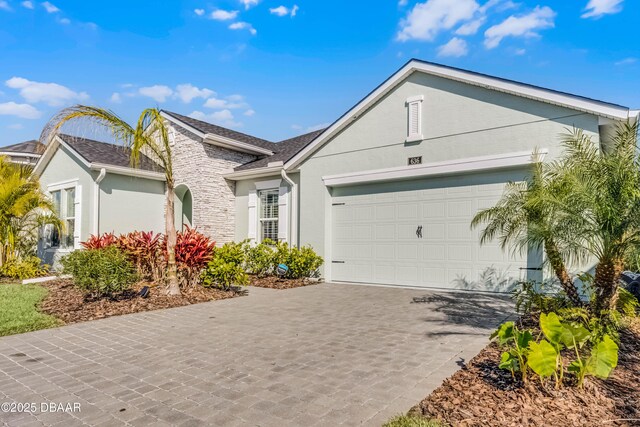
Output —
(260, 259)
(101, 272)
(532, 297)
(24, 268)
(226, 268)
(515, 358)
(302, 262)
(603, 359)
(627, 303)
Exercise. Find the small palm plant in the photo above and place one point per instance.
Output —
(603, 208)
(149, 136)
(524, 219)
(24, 208)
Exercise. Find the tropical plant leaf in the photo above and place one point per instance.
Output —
(504, 333)
(523, 339)
(604, 357)
(542, 358)
(554, 330)
(509, 362)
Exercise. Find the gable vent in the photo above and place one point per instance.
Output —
(414, 110)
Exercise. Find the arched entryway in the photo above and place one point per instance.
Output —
(183, 207)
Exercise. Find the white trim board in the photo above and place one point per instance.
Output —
(575, 102)
(469, 164)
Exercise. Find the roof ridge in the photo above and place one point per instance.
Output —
(180, 116)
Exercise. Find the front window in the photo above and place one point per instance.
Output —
(269, 215)
(64, 206)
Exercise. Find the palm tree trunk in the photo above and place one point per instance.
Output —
(608, 273)
(172, 272)
(559, 268)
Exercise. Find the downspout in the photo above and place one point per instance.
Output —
(294, 208)
(96, 201)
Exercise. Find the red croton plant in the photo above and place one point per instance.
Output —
(147, 251)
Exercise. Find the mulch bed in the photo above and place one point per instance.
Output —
(69, 304)
(274, 282)
(481, 394)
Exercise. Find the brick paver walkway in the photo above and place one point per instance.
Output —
(323, 355)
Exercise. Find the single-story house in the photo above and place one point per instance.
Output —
(385, 194)
(23, 153)
(95, 190)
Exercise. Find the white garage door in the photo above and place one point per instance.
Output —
(418, 233)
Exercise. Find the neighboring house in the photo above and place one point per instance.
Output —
(95, 190)
(24, 153)
(386, 193)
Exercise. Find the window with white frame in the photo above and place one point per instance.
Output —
(414, 110)
(268, 218)
(64, 206)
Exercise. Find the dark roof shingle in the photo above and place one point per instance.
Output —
(28, 147)
(110, 154)
(284, 150)
(205, 127)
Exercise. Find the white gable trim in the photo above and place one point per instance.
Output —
(574, 102)
(470, 164)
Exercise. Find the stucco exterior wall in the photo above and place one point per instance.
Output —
(199, 166)
(458, 121)
(64, 167)
(128, 203)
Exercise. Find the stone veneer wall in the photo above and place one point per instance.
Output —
(199, 166)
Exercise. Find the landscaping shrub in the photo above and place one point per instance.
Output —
(144, 250)
(193, 251)
(533, 297)
(260, 259)
(226, 268)
(100, 272)
(100, 242)
(25, 268)
(594, 356)
(302, 262)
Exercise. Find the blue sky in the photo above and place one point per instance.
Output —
(277, 68)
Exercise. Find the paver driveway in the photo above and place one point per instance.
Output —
(322, 355)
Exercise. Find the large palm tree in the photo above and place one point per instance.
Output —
(603, 207)
(523, 220)
(24, 208)
(149, 137)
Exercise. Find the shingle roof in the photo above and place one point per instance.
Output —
(110, 154)
(205, 127)
(284, 150)
(29, 147)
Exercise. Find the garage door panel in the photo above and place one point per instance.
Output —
(375, 235)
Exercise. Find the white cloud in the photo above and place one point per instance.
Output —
(521, 51)
(158, 93)
(527, 25)
(599, 8)
(224, 118)
(428, 19)
(284, 11)
(4, 5)
(224, 15)
(249, 3)
(28, 4)
(65, 21)
(16, 126)
(198, 12)
(187, 92)
(456, 47)
(24, 111)
(50, 8)
(249, 113)
(232, 102)
(52, 94)
(116, 98)
(243, 26)
(471, 27)
(402, 3)
(627, 61)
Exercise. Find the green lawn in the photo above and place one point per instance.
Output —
(412, 421)
(18, 312)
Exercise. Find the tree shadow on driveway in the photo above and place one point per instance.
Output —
(478, 311)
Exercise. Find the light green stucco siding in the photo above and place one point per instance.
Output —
(129, 203)
(458, 121)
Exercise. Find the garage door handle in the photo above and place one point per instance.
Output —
(419, 232)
